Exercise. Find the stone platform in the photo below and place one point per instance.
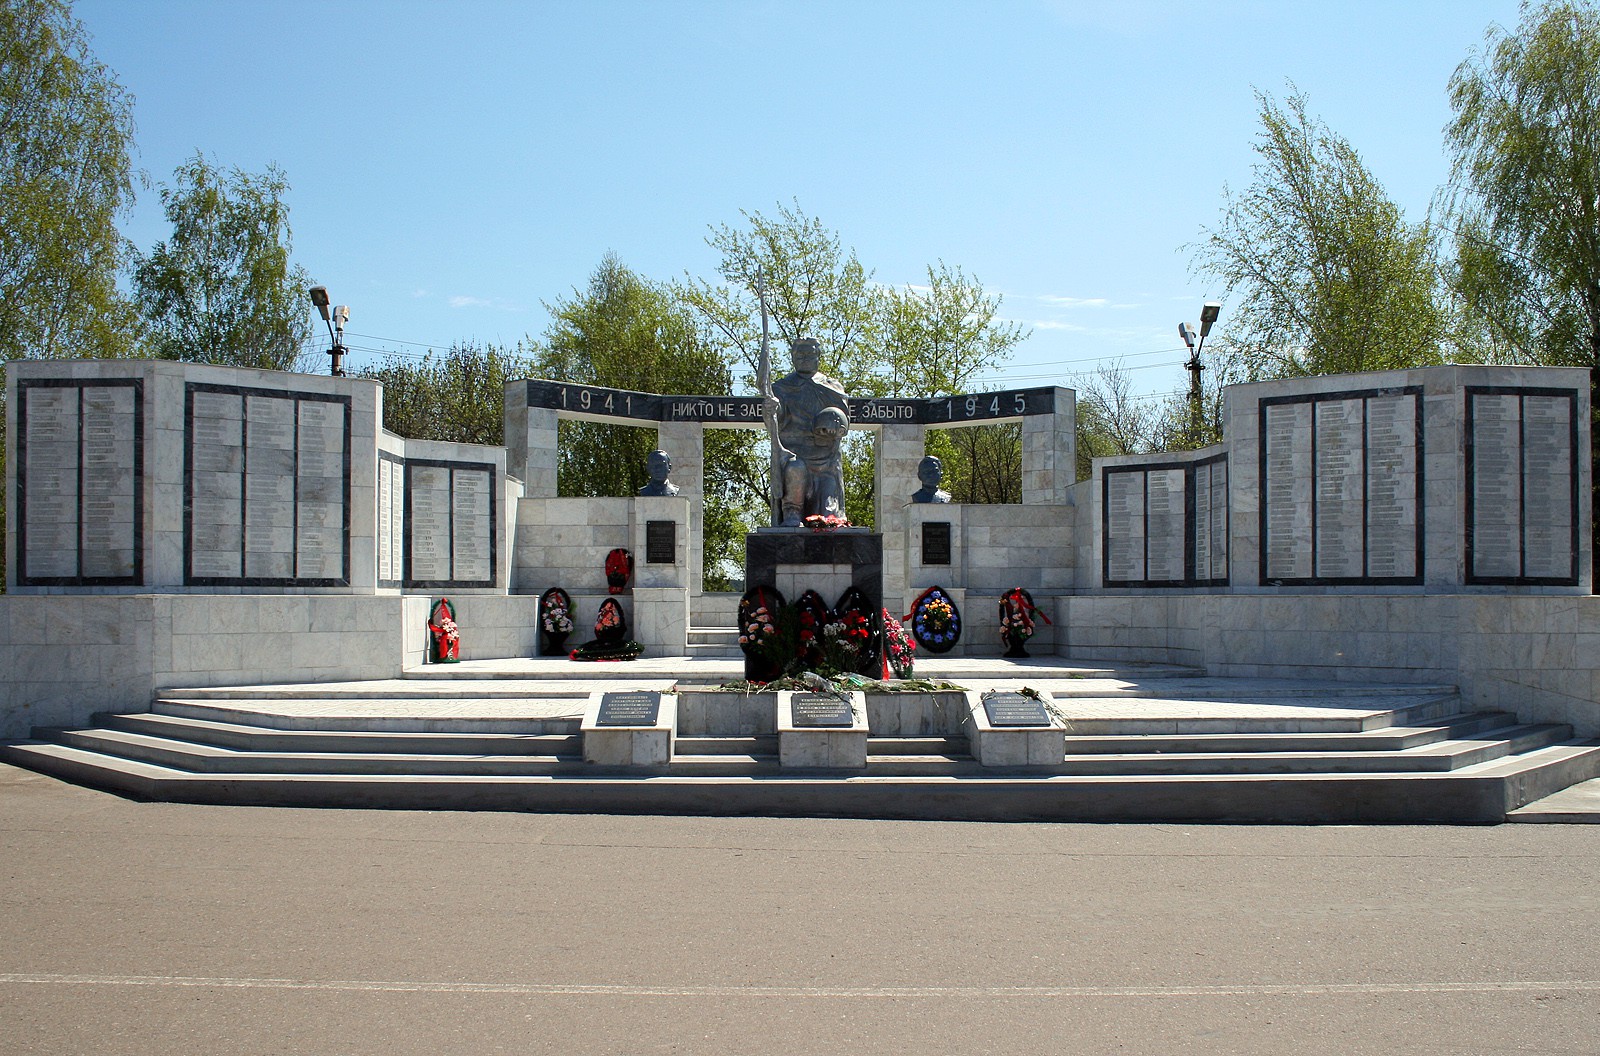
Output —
(1141, 742)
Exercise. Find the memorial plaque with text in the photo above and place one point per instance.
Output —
(1522, 496)
(449, 524)
(660, 542)
(80, 451)
(267, 487)
(1015, 709)
(1166, 525)
(936, 545)
(632, 708)
(1496, 486)
(1547, 489)
(1341, 483)
(1286, 485)
(1124, 526)
(819, 710)
(1340, 506)
(1394, 517)
(472, 529)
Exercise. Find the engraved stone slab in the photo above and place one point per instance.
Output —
(631, 708)
(819, 710)
(1393, 517)
(936, 544)
(660, 542)
(1340, 513)
(1015, 709)
(1286, 487)
(472, 530)
(1547, 487)
(1164, 525)
(1496, 485)
(1124, 526)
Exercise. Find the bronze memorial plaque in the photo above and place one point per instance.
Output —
(1015, 709)
(820, 710)
(633, 708)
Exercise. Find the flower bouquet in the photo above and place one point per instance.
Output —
(826, 522)
(899, 648)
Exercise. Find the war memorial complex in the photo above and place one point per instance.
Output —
(1369, 602)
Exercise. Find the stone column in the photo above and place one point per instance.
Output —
(530, 443)
(1050, 452)
(685, 444)
(899, 448)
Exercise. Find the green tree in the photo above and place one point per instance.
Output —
(66, 130)
(222, 289)
(625, 332)
(458, 396)
(1322, 272)
(877, 341)
(1525, 190)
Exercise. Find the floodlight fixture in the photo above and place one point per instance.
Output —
(319, 298)
(1208, 315)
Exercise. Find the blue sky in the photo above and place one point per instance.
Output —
(454, 166)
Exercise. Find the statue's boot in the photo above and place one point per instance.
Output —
(791, 516)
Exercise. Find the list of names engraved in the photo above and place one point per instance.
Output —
(1340, 505)
(428, 524)
(1287, 487)
(216, 482)
(50, 494)
(1125, 530)
(1393, 520)
(267, 486)
(1211, 521)
(472, 531)
(1496, 485)
(391, 519)
(108, 534)
(1164, 525)
(1547, 487)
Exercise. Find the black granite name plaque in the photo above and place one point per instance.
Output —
(660, 542)
(820, 710)
(633, 708)
(1015, 709)
(936, 542)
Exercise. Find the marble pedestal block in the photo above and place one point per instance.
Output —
(993, 745)
(795, 560)
(840, 747)
(642, 745)
(661, 620)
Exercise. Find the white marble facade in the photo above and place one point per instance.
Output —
(177, 523)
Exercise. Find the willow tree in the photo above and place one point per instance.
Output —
(1321, 272)
(1525, 189)
(222, 288)
(66, 132)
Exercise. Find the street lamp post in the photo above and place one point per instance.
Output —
(335, 321)
(1208, 317)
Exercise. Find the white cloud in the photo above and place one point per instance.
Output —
(419, 294)
(1050, 324)
(1073, 302)
(468, 302)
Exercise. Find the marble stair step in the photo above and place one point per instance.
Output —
(524, 716)
(1482, 793)
(259, 738)
(1390, 738)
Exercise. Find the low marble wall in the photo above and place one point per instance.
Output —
(1537, 656)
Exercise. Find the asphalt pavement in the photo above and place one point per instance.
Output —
(164, 928)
